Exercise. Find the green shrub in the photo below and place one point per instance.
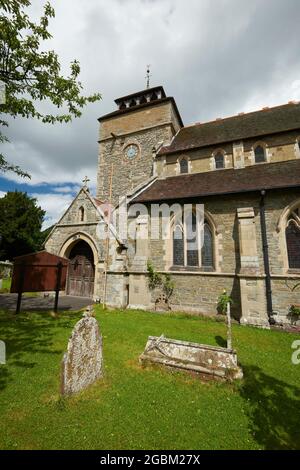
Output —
(157, 280)
(295, 310)
(223, 300)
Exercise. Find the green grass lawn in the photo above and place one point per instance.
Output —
(151, 408)
(5, 285)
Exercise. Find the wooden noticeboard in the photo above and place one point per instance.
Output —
(39, 272)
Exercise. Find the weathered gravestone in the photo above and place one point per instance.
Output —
(82, 364)
(194, 357)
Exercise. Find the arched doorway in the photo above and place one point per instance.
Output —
(81, 270)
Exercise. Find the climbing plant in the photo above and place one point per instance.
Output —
(223, 300)
(158, 280)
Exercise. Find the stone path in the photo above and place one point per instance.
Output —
(65, 302)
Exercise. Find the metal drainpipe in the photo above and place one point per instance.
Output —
(266, 255)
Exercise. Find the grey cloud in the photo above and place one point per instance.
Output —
(216, 58)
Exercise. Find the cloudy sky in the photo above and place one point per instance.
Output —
(216, 57)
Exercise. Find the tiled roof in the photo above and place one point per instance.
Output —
(253, 178)
(98, 202)
(267, 121)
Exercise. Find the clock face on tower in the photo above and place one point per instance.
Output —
(131, 152)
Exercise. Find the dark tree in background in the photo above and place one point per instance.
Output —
(20, 225)
(31, 75)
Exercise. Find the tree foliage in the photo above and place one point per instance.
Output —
(20, 225)
(31, 75)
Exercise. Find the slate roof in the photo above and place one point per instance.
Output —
(229, 181)
(259, 123)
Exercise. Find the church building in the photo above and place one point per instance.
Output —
(242, 171)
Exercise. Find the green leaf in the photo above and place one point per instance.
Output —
(32, 75)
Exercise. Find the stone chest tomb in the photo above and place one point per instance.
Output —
(207, 360)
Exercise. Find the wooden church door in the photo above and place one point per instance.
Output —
(81, 271)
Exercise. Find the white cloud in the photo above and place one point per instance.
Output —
(283, 94)
(66, 189)
(54, 205)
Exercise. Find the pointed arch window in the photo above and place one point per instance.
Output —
(192, 248)
(81, 214)
(292, 234)
(178, 245)
(260, 154)
(188, 249)
(219, 161)
(207, 249)
(183, 166)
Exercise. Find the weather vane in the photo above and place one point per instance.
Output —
(148, 76)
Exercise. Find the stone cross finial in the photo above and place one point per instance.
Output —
(85, 181)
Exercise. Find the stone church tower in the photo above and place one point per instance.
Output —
(244, 170)
(129, 139)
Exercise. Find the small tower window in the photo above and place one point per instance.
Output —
(219, 161)
(260, 154)
(81, 214)
(184, 166)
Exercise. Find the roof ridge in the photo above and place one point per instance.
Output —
(267, 121)
(242, 114)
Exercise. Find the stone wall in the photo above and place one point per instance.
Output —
(198, 291)
(148, 128)
(138, 120)
(279, 147)
(238, 253)
(195, 291)
(70, 225)
(223, 211)
(283, 297)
